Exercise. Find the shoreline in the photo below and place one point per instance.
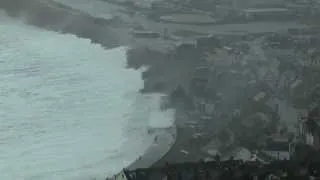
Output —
(180, 145)
(166, 139)
(87, 27)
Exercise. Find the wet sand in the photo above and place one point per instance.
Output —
(165, 138)
(183, 150)
(176, 145)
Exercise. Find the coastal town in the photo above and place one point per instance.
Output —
(243, 77)
(247, 99)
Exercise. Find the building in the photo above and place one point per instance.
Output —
(309, 128)
(279, 148)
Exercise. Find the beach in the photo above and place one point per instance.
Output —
(163, 141)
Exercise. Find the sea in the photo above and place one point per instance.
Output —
(69, 109)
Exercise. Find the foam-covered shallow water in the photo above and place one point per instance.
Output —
(69, 109)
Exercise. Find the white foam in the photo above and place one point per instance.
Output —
(159, 118)
(69, 109)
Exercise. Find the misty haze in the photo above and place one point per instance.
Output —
(159, 89)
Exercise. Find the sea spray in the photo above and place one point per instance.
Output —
(67, 106)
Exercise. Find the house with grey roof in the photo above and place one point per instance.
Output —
(279, 148)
